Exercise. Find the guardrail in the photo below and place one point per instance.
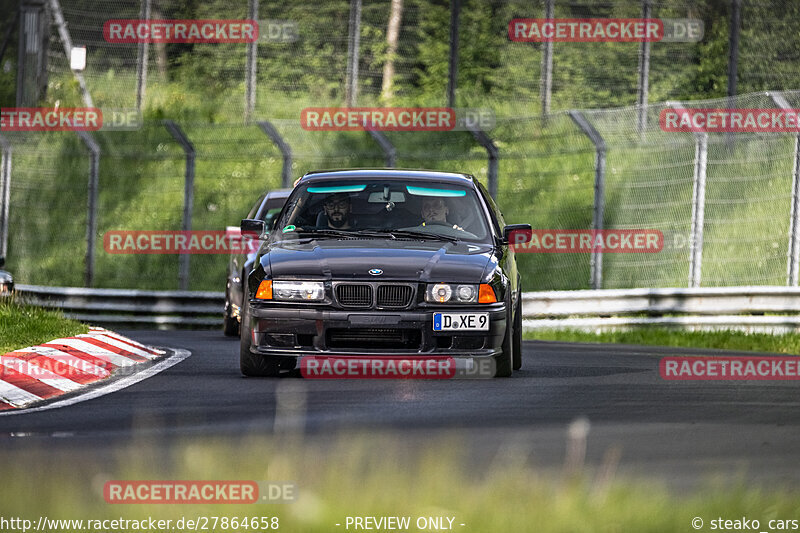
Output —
(695, 308)
(704, 301)
(724, 307)
(127, 306)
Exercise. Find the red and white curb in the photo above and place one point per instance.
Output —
(42, 373)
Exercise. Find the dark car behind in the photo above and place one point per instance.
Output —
(265, 209)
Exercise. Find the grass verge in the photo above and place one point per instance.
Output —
(373, 475)
(788, 343)
(24, 325)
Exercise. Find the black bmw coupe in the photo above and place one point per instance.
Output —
(376, 263)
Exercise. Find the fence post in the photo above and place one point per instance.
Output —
(733, 48)
(283, 146)
(546, 79)
(5, 196)
(251, 68)
(141, 59)
(91, 217)
(353, 43)
(698, 203)
(32, 58)
(9, 30)
(386, 145)
(793, 253)
(66, 41)
(644, 75)
(698, 208)
(599, 191)
(494, 156)
(188, 196)
(452, 75)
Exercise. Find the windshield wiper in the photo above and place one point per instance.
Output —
(422, 235)
(392, 233)
(349, 232)
(330, 232)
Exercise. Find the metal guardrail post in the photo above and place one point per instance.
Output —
(793, 253)
(251, 67)
(353, 46)
(188, 196)
(452, 63)
(546, 79)
(698, 209)
(599, 191)
(386, 145)
(283, 146)
(91, 207)
(494, 156)
(644, 75)
(141, 59)
(698, 204)
(5, 195)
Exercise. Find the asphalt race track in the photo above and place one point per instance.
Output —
(685, 433)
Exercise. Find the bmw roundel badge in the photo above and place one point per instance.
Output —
(376, 271)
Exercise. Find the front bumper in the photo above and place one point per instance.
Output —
(296, 332)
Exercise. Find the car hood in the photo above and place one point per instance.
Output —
(347, 259)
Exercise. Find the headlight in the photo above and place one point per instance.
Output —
(305, 291)
(441, 293)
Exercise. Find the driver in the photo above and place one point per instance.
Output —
(337, 211)
(435, 211)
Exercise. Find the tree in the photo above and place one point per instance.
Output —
(392, 36)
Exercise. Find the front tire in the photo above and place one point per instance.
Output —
(517, 341)
(504, 363)
(253, 364)
(230, 326)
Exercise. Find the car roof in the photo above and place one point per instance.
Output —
(275, 194)
(421, 175)
(278, 193)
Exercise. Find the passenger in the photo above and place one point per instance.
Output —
(435, 211)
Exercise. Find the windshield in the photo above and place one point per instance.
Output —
(400, 208)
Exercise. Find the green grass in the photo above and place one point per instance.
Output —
(24, 325)
(376, 475)
(788, 343)
(546, 179)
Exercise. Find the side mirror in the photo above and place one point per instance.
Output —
(252, 227)
(507, 230)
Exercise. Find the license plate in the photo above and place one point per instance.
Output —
(460, 321)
